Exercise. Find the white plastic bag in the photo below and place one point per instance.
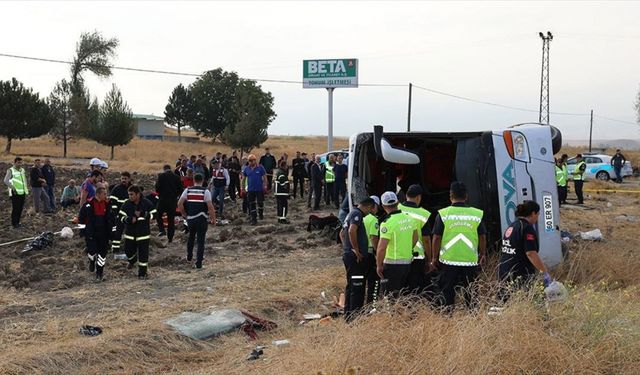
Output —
(592, 235)
(556, 291)
(66, 233)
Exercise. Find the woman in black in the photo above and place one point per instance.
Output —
(520, 261)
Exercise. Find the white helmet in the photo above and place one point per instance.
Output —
(104, 165)
(95, 161)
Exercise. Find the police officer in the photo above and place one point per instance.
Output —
(136, 213)
(99, 222)
(354, 256)
(398, 237)
(578, 177)
(519, 261)
(298, 172)
(329, 180)
(16, 180)
(194, 203)
(459, 245)
(282, 198)
(118, 196)
(315, 183)
(219, 182)
(561, 181)
(419, 265)
(372, 226)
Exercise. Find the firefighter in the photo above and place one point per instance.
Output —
(459, 245)
(282, 198)
(419, 266)
(354, 242)
(194, 204)
(137, 213)
(398, 238)
(578, 177)
(99, 221)
(118, 196)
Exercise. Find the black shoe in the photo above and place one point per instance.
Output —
(254, 222)
(189, 258)
(92, 266)
(143, 277)
(197, 266)
(130, 265)
(162, 234)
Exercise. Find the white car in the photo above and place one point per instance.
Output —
(598, 167)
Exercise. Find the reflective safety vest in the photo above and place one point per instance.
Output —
(372, 228)
(195, 204)
(459, 246)
(398, 229)
(19, 181)
(218, 179)
(561, 179)
(421, 216)
(329, 175)
(141, 229)
(577, 173)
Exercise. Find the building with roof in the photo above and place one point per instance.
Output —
(149, 126)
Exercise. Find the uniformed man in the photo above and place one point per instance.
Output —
(372, 226)
(418, 280)
(398, 238)
(459, 245)
(16, 181)
(118, 196)
(578, 177)
(354, 256)
(561, 181)
(136, 213)
(329, 180)
(282, 198)
(194, 203)
(99, 222)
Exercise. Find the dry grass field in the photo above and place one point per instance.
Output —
(279, 273)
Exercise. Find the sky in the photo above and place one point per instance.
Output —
(487, 51)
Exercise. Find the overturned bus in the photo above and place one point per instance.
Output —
(500, 169)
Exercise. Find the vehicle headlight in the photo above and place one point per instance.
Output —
(518, 143)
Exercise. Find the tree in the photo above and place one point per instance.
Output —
(22, 113)
(115, 123)
(60, 104)
(94, 54)
(637, 106)
(178, 110)
(213, 97)
(253, 109)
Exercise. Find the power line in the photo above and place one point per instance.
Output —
(616, 120)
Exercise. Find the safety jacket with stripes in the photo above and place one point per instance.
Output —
(282, 187)
(141, 229)
(119, 194)
(18, 181)
(460, 239)
(195, 204)
(421, 217)
(578, 172)
(329, 174)
(561, 179)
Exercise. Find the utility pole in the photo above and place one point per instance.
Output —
(409, 110)
(330, 133)
(590, 130)
(543, 118)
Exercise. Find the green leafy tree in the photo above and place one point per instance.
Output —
(22, 113)
(60, 104)
(213, 97)
(179, 109)
(253, 109)
(114, 126)
(94, 54)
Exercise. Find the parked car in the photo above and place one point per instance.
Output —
(599, 167)
(345, 154)
(501, 168)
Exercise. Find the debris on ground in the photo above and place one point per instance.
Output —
(625, 217)
(281, 343)
(556, 291)
(66, 233)
(40, 242)
(256, 353)
(565, 236)
(325, 320)
(592, 235)
(201, 326)
(311, 316)
(90, 330)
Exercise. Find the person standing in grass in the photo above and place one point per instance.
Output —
(194, 204)
(38, 184)
(99, 221)
(16, 180)
(136, 214)
(50, 177)
(519, 262)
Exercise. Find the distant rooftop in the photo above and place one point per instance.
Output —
(147, 117)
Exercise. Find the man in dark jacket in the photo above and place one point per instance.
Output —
(234, 175)
(50, 177)
(99, 221)
(136, 214)
(317, 178)
(298, 174)
(119, 194)
(169, 188)
(618, 161)
(268, 161)
(38, 184)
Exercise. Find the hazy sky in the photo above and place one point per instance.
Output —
(488, 51)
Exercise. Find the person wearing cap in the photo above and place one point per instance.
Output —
(16, 181)
(256, 177)
(219, 181)
(119, 194)
(196, 207)
(354, 244)
(137, 213)
(398, 238)
(419, 265)
(372, 227)
(459, 246)
(578, 177)
(298, 173)
(169, 187)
